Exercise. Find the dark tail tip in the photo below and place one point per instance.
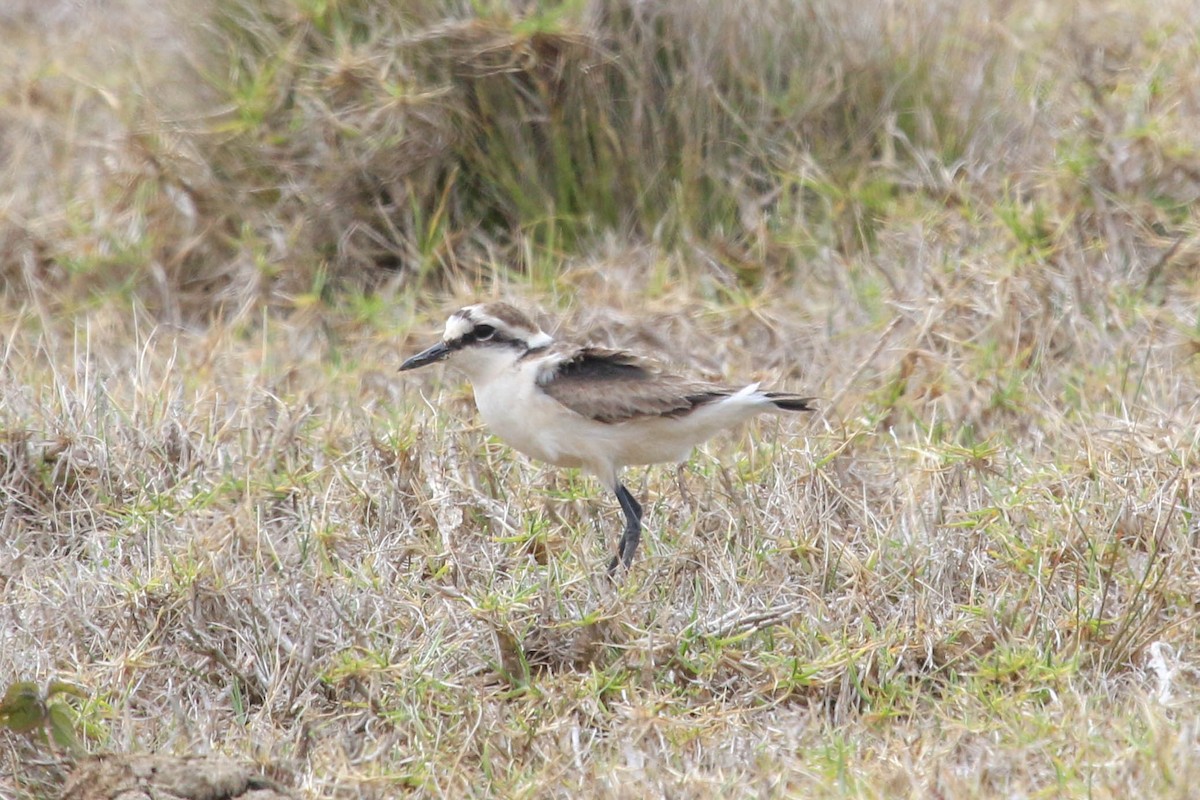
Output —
(791, 402)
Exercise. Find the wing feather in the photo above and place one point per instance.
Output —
(615, 386)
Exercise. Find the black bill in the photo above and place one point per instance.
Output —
(427, 356)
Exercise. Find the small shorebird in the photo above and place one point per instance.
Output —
(588, 407)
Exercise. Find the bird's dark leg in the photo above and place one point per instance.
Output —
(633, 529)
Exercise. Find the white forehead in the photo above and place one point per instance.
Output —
(457, 327)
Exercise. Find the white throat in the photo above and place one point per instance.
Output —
(483, 364)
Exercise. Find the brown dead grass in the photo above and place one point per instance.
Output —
(972, 574)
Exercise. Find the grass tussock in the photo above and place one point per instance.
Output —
(229, 528)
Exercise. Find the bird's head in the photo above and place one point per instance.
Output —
(482, 339)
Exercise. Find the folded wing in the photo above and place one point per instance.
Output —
(613, 386)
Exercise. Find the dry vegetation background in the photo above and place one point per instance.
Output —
(230, 527)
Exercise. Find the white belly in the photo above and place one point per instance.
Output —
(524, 418)
(521, 415)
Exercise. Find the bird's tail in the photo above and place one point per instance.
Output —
(791, 402)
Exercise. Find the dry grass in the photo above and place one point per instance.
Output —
(235, 529)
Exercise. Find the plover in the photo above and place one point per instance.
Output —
(588, 407)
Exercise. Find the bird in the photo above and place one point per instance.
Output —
(588, 407)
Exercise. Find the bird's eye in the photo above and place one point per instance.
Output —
(484, 332)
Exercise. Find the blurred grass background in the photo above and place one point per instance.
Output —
(247, 152)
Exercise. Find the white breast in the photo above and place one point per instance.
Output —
(523, 417)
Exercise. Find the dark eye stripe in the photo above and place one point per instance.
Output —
(473, 337)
